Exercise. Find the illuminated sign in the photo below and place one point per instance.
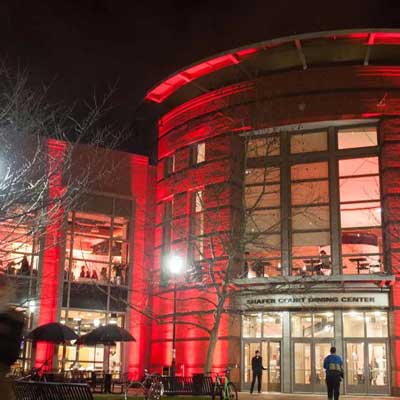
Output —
(319, 300)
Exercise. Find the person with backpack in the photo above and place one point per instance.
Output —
(333, 365)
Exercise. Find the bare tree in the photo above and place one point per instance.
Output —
(45, 166)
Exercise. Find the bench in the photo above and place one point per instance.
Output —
(180, 385)
(51, 391)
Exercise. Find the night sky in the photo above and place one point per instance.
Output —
(90, 44)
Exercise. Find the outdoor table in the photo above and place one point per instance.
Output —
(311, 263)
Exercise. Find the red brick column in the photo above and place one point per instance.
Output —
(50, 274)
(390, 164)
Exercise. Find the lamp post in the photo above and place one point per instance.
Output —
(175, 265)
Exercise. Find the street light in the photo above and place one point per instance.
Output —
(175, 266)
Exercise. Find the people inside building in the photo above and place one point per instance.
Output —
(324, 265)
(25, 267)
(118, 273)
(103, 274)
(94, 274)
(245, 271)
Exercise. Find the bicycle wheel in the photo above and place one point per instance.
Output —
(156, 391)
(217, 392)
(231, 392)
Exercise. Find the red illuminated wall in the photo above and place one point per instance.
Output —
(142, 189)
(390, 141)
(133, 177)
(51, 257)
(217, 117)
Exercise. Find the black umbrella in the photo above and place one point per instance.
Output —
(53, 332)
(107, 335)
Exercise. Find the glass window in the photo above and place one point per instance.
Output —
(311, 192)
(310, 218)
(262, 176)
(320, 325)
(89, 253)
(262, 256)
(357, 137)
(197, 226)
(355, 363)
(166, 237)
(262, 196)
(263, 146)
(377, 324)
(97, 244)
(20, 230)
(377, 361)
(308, 142)
(324, 324)
(199, 202)
(358, 166)
(169, 166)
(301, 325)
(353, 324)
(360, 215)
(264, 221)
(97, 204)
(302, 367)
(89, 357)
(252, 325)
(272, 325)
(200, 153)
(308, 171)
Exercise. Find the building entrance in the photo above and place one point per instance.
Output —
(367, 369)
(271, 354)
(308, 360)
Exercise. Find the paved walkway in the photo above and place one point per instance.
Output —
(284, 396)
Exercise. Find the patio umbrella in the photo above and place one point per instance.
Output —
(53, 332)
(107, 335)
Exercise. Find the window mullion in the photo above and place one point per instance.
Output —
(334, 204)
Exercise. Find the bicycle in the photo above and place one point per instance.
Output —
(226, 390)
(151, 385)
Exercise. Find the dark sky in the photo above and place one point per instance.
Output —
(87, 44)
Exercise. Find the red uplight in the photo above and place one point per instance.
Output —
(170, 85)
(175, 82)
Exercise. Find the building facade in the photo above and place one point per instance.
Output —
(90, 265)
(278, 180)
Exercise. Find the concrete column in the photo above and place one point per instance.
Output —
(339, 343)
(286, 367)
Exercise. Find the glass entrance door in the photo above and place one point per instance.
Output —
(308, 360)
(366, 367)
(271, 355)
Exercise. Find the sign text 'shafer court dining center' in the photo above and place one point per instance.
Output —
(279, 162)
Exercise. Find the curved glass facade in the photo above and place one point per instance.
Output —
(324, 188)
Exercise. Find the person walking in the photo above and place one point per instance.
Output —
(257, 368)
(333, 365)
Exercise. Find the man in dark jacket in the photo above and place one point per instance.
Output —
(257, 368)
(333, 365)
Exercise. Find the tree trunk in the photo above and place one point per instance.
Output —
(213, 337)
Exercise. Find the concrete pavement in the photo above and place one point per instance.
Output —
(296, 396)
